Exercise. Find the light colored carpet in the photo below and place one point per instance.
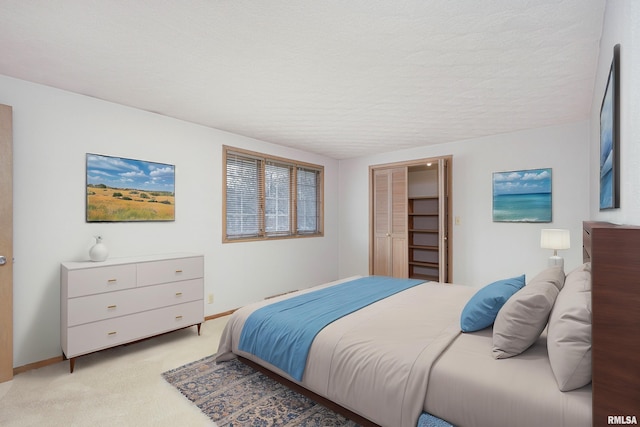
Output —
(122, 386)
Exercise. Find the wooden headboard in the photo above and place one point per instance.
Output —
(614, 253)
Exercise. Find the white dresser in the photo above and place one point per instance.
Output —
(105, 304)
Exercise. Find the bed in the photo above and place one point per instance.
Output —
(403, 356)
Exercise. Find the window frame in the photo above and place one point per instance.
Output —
(293, 166)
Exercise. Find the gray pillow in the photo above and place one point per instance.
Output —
(524, 316)
(569, 334)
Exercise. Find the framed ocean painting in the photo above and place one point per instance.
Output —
(522, 196)
(125, 190)
(610, 137)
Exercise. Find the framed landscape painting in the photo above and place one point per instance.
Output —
(123, 190)
(522, 196)
(610, 137)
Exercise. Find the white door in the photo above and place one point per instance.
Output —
(6, 244)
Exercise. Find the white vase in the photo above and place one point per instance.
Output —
(99, 251)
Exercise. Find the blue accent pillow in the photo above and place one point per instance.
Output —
(482, 309)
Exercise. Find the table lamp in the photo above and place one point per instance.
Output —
(553, 238)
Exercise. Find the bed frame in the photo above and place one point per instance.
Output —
(614, 251)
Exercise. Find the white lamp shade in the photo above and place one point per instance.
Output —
(554, 238)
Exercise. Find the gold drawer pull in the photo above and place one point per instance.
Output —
(178, 271)
(111, 307)
(111, 333)
(178, 294)
(178, 317)
(112, 280)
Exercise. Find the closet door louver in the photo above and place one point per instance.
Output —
(390, 222)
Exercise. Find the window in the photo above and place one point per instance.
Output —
(268, 197)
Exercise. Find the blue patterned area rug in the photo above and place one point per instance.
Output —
(233, 394)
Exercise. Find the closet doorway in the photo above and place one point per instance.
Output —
(410, 205)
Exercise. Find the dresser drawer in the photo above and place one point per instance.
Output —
(170, 270)
(121, 303)
(95, 336)
(97, 280)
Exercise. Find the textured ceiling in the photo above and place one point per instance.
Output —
(343, 78)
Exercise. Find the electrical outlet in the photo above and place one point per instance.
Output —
(210, 299)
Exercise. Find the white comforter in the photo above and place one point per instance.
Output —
(376, 361)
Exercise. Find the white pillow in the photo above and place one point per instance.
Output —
(524, 316)
(569, 334)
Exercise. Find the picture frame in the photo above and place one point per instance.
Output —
(610, 137)
(119, 189)
(523, 196)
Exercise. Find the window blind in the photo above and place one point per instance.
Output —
(268, 197)
(307, 211)
(243, 196)
(277, 199)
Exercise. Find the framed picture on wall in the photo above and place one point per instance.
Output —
(125, 190)
(610, 137)
(522, 196)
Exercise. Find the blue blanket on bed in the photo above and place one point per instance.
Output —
(281, 333)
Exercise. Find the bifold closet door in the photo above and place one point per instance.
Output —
(390, 257)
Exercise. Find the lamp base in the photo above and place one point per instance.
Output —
(556, 261)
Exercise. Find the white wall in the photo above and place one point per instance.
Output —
(621, 25)
(53, 130)
(483, 251)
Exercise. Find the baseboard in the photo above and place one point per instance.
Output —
(217, 315)
(58, 359)
(37, 365)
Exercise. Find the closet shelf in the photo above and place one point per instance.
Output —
(423, 230)
(424, 264)
(423, 237)
(424, 247)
